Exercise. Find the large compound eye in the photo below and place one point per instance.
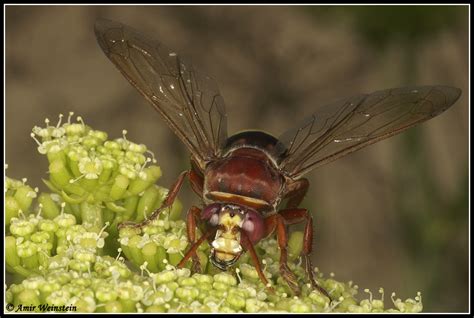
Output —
(253, 225)
(211, 213)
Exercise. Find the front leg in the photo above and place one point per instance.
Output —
(247, 244)
(191, 225)
(168, 201)
(192, 250)
(276, 222)
(295, 216)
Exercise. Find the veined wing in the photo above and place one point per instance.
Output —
(188, 100)
(338, 129)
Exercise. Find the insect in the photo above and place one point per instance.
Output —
(251, 184)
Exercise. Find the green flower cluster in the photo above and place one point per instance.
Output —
(36, 244)
(18, 198)
(161, 242)
(83, 279)
(160, 246)
(101, 180)
(63, 249)
(86, 167)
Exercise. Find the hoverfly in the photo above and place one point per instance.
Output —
(242, 179)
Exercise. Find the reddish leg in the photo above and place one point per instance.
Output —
(196, 184)
(295, 194)
(170, 197)
(295, 216)
(195, 246)
(276, 222)
(247, 244)
(191, 225)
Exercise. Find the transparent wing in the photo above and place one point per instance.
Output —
(188, 100)
(338, 129)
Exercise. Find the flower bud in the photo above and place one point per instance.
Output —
(119, 187)
(50, 209)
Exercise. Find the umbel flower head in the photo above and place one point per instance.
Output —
(63, 248)
(86, 167)
(100, 180)
(77, 273)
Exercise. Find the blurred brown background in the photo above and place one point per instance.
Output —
(392, 215)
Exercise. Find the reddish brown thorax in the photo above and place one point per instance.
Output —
(245, 176)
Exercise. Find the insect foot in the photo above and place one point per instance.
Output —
(290, 278)
(310, 276)
(196, 265)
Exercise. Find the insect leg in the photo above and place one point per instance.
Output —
(170, 197)
(195, 246)
(191, 225)
(197, 182)
(295, 216)
(247, 244)
(285, 271)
